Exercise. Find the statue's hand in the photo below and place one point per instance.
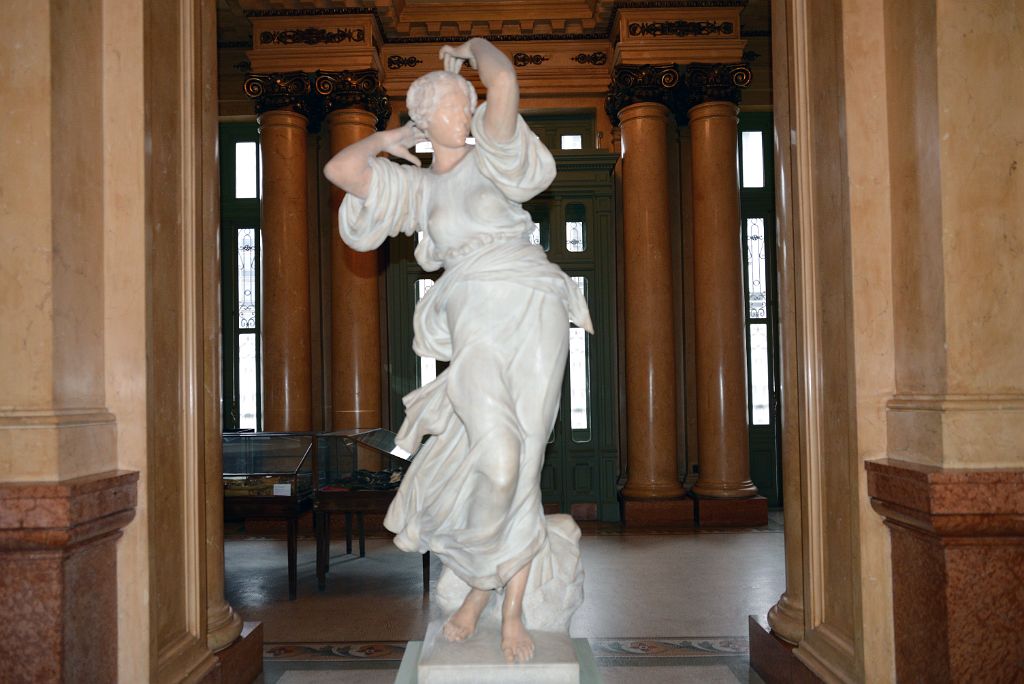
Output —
(454, 56)
(399, 140)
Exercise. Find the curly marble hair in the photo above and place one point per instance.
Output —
(427, 90)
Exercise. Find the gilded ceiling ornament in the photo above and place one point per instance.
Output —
(595, 58)
(312, 36)
(680, 28)
(396, 62)
(521, 59)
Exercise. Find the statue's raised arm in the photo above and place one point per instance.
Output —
(498, 76)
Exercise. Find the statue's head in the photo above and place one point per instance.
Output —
(441, 104)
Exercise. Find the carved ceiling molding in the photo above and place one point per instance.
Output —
(316, 94)
(678, 87)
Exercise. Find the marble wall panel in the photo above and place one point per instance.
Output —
(872, 302)
(980, 85)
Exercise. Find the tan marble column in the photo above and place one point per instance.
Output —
(723, 449)
(286, 344)
(649, 335)
(355, 303)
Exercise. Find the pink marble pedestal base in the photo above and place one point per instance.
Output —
(957, 555)
(58, 577)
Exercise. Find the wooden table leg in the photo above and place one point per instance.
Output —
(362, 535)
(348, 533)
(323, 548)
(293, 549)
(426, 572)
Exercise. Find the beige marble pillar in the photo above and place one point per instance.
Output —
(355, 303)
(723, 449)
(649, 331)
(286, 344)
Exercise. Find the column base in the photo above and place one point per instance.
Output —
(242, 661)
(657, 512)
(751, 512)
(773, 659)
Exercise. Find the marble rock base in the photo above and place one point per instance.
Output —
(479, 659)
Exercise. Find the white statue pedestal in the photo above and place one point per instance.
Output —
(557, 659)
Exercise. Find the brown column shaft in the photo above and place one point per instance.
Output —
(723, 449)
(286, 345)
(355, 303)
(650, 340)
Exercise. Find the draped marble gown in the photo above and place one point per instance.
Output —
(500, 314)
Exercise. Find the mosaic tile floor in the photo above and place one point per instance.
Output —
(700, 659)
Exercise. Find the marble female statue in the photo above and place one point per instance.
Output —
(500, 314)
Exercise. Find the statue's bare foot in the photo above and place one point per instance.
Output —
(462, 623)
(516, 643)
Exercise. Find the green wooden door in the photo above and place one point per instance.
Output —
(757, 205)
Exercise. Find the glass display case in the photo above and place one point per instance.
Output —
(359, 459)
(283, 475)
(271, 475)
(268, 464)
(359, 473)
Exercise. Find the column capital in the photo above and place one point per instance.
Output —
(354, 90)
(679, 87)
(631, 84)
(715, 82)
(288, 90)
(316, 94)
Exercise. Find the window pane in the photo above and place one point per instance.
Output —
(572, 142)
(246, 164)
(759, 374)
(756, 282)
(427, 369)
(535, 235)
(471, 140)
(247, 268)
(579, 376)
(247, 381)
(541, 234)
(575, 228)
(753, 159)
(424, 146)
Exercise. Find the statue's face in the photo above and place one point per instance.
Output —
(449, 124)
